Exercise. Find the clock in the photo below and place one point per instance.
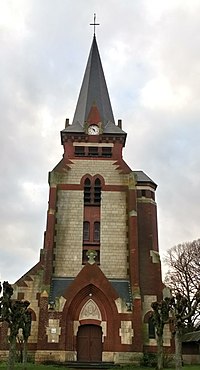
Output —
(93, 130)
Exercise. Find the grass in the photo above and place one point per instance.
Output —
(30, 366)
(54, 367)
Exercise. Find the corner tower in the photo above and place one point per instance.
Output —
(99, 270)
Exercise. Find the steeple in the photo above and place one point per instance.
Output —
(94, 97)
(93, 90)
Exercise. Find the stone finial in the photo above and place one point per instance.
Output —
(66, 122)
(120, 123)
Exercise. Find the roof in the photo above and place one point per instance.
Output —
(143, 178)
(60, 284)
(123, 288)
(193, 336)
(94, 92)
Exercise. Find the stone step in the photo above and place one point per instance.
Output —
(89, 365)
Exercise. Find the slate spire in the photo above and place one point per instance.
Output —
(93, 91)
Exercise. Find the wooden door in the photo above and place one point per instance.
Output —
(89, 343)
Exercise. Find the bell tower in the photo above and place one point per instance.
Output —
(99, 269)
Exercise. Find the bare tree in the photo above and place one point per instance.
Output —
(178, 310)
(182, 311)
(183, 274)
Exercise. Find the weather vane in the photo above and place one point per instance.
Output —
(94, 24)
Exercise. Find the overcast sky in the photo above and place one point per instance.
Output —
(150, 51)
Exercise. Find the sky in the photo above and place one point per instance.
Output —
(150, 51)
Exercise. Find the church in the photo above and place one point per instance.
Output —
(99, 269)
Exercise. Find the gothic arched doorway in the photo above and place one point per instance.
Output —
(89, 343)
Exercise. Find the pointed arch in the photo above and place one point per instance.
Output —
(72, 316)
(102, 293)
(87, 191)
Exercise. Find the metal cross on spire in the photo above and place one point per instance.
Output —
(94, 24)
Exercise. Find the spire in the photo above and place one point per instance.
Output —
(93, 91)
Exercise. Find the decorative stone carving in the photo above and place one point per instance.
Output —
(126, 332)
(90, 311)
(91, 254)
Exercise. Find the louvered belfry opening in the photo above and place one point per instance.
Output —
(97, 191)
(87, 191)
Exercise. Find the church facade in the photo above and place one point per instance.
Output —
(99, 270)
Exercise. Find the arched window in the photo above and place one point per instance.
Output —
(91, 215)
(97, 191)
(87, 191)
(96, 235)
(86, 231)
(151, 328)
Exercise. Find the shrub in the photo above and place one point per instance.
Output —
(149, 360)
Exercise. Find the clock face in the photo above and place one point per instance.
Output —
(93, 130)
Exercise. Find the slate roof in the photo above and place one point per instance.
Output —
(94, 91)
(143, 178)
(123, 288)
(60, 284)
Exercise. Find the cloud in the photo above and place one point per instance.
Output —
(160, 94)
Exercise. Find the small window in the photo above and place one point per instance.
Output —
(79, 151)
(106, 152)
(97, 191)
(87, 191)
(97, 231)
(93, 151)
(20, 296)
(143, 193)
(86, 231)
